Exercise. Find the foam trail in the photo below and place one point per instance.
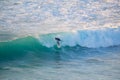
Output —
(87, 38)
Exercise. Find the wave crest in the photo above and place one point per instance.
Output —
(85, 38)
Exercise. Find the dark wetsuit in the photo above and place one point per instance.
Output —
(58, 40)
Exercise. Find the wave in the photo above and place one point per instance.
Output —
(29, 46)
(45, 44)
(18, 47)
(86, 38)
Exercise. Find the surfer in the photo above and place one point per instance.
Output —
(58, 41)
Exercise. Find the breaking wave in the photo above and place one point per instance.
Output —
(85, 38)
(45, 44)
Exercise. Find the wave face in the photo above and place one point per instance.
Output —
(44, 46)
(32, 48)
(16, 48)
(85, 38)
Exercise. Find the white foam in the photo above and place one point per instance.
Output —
(87, 38)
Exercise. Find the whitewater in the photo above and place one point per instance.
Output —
(86, 38)
(89, 30)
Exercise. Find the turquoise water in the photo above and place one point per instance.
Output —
(26, 58)
(89, 30)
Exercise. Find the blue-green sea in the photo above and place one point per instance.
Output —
(90, 39)
(27, 59)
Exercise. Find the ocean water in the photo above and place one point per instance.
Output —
(89, 30)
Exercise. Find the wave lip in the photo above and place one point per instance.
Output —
(86, 38)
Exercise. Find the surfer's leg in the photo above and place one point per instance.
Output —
(58, 43)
